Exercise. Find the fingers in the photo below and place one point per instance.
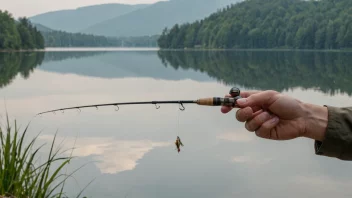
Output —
(254, 99)
(244, 94)
(264, 98)
(251, 111)
(268, 129)
(257, 121)
(226, 109)
(247, 113)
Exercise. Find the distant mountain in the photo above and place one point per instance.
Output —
(55, 38)
(42, 28)
(154, 18)
(83, 17)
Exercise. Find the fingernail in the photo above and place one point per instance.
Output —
(274, 120)
(242, 101)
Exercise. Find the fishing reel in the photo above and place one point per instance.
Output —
(235, 94)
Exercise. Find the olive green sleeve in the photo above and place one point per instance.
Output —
(338, 137)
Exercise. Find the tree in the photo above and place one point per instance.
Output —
(299, 24)
(18, 35)
(9, 37)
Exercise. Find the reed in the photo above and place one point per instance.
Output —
(20, 173)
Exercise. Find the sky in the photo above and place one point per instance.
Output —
(28, 8)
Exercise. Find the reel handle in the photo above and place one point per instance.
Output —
(236, 94)
(216, 101)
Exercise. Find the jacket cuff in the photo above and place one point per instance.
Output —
(333, 143)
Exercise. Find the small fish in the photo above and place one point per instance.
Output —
(178, 144)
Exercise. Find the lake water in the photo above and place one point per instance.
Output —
(131, 153)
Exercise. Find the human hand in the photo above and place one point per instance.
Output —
(275, 116)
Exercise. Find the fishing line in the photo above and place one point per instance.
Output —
(178, 123)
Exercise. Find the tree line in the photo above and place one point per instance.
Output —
(277, 70)
(20, 34)
(66, 39)
(323, 24)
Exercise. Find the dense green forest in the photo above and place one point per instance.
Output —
(19, 34)
(277, 70)
(65, 39)
(323, 24)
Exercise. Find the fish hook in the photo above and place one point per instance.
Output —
(62, 111)
(182, 108)
(118, 108)
(96, 107)
(156, 106)
(79, 110)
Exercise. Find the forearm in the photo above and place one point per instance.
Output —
(316, 121)
(331, 128)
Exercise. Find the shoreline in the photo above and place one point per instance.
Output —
(65, 49)
(258, 49)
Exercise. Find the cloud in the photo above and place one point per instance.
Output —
(112, 156)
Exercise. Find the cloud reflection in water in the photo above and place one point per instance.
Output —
(111, 156)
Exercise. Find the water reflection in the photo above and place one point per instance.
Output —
(132, 150)
(13, 63)
(114, 65)
(60, 56)
(329, 72)
(112, 156)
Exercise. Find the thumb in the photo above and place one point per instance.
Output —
(264, 98)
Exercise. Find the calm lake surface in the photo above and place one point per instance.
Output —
(131, 153)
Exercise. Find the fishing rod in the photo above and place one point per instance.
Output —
(214, 101)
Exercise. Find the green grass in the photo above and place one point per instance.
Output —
(20, 173)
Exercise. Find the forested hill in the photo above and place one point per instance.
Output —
(75, 20)
(55, 38)
(324, 24)
(152, 19)
(19, 34)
